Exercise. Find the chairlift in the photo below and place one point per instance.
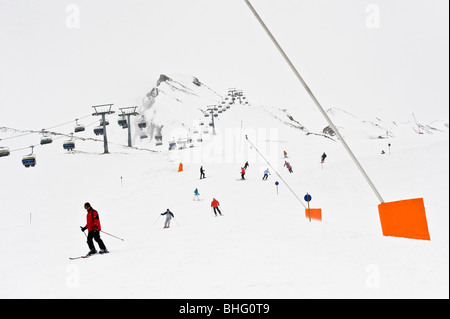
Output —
(45, 139)
(4, 151)
(211, 124)
(206, 114)
(143, 135)
(195, 131)
(29, 160)
(172, 145)
(158, 137)
(98, 130)
(122, 122)
(201, 123)
(106, 122)
(216, 115)
(199, 140)
(142, 124)
(220, 111)
(70, 144)
(158, 143)
(78, 127)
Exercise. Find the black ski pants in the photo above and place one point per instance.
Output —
(216, 209)
(95, 235)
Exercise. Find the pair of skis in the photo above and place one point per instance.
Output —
(86, 256)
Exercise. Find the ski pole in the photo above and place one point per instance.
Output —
(112, 235)
(177, 221)
(83, 231)
(156, 220)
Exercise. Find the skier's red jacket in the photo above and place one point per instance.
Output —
(214, 203)
(93, 221)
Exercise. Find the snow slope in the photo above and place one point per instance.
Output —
(263, 246)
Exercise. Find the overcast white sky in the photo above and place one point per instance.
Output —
(377, 57)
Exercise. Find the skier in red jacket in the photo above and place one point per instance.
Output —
(93, 227)
(215, 206)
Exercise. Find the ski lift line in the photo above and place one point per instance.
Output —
(61, 135)
(268, 163)
(315, 100)
(45, 129)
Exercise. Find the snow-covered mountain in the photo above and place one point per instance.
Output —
(263, 246)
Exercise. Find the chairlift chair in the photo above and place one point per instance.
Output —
(98, 130)
(78, 127)
(142, 124)
(45, 139)
(29, 160)
(70, 144)
(4, 151)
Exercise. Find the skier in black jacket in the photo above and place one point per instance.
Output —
(202, 172)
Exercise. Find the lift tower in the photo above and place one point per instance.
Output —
(103, 110)
(128, 111)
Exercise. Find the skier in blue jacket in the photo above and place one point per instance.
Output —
(169, 216)
(196, 195)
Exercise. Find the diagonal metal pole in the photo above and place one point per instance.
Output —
(355, 160)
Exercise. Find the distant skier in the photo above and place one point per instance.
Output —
(285, 154)
(196, 195)
(246, 165)
(215, 206)
(323, 157)
(288, 166)
(382, 152)
(93, 227)
(169, 216)
(242, 173)
(266, 174)
(202, 172)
